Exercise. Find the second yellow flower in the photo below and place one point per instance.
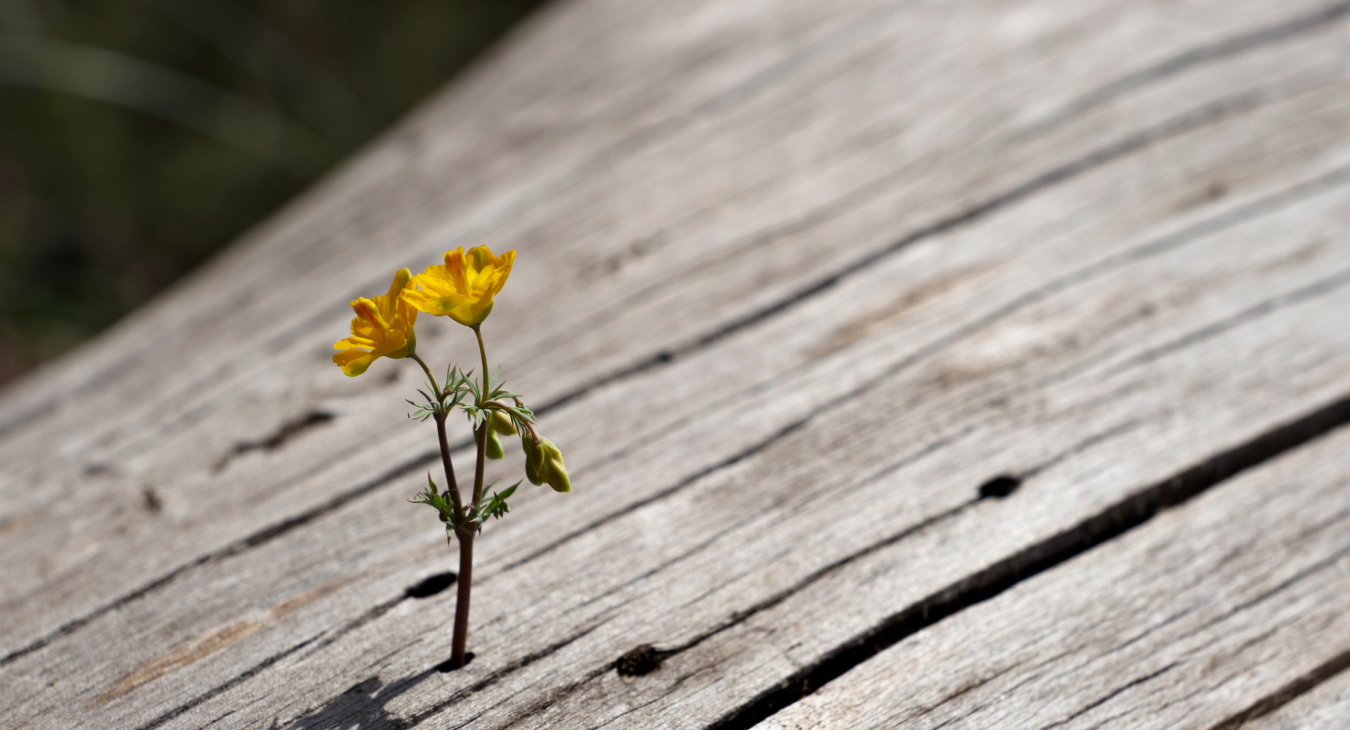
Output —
(463, 288)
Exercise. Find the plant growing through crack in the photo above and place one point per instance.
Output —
(462, 289)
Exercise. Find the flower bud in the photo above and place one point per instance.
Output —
(501, 423)
(550, 467)
(494, 446)
(531, 458)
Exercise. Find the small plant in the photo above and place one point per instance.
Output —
(462, 289)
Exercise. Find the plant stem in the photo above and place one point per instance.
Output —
(453, 486)
(432, 378)
(482, 430)
(449, 469)
(465, 581)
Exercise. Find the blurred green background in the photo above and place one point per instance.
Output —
(139, 136)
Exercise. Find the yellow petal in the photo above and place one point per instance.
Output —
(353, 362)
(370, 312)
(388, 303)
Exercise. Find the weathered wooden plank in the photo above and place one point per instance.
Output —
(1003, 309)
(1008, 338)
(906, 522)
(107, 428)
(1324, 707)
(1183, 623)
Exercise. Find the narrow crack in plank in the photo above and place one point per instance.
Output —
(1266, 705)
(1187, 60)
(1101, 157)
(1184, 124)
(1101, 528)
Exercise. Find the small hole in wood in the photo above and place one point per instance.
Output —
(1000, 486)
(150, 501)
(430, 586)
(444, 666)
(640, 662)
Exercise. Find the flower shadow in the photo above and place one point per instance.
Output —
(361, 708)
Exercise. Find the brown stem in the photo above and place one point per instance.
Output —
(449, 470)
(465, 581)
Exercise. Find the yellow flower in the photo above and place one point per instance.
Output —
(464, 287)
(383, 327)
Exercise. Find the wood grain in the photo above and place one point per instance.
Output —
(159, 407)
(1323, 707)
(773, 267)
(1199, 613)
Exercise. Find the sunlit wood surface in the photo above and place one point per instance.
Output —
(970, 364)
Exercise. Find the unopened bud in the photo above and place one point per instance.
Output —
(494, 446)
(531, 458)
(551, 468)
(499, 422)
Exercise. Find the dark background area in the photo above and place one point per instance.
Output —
(137, 137)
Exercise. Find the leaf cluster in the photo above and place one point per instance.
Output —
(479, 403)
(497, 400)
(493, 506)
(457, 387)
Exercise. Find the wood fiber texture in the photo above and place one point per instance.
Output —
(1233, 596)
(796, 282)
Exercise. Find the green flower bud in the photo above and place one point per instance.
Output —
(501, 423)
(551, 468)
(494, 446)
(531, 456)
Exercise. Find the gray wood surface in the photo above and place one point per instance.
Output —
(1324, 707)
(793, 281)
(1180, 624)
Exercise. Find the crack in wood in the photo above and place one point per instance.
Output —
(668, 491)
(1262, 309)
(1106, 525)
(1266, 705)
(1113, 693)
(1217, 51)
(230, 550)
(967, 688)
(1187, 60)
(1220, 222)
(315, 641)
(1178, 126)
(497, 675)
(1186, 123)
(646, 658)
(1284, 585)
(219, 689)
(287, 431)
(744, 615)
